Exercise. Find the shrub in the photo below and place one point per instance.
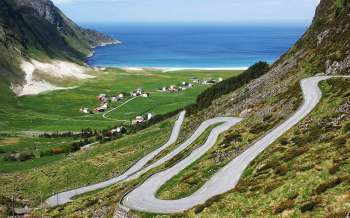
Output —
(346, 128)
(208, 203)
(308, 206)
(282, 170)
(20, 156)
(339, 142)
(272, 186)
(282, 206)
(259, 128)
(56, 150)
(334, 169)
(327, 185)
(295, 152)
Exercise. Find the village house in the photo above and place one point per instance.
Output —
(137, 92)
(172, 88)
(209, 82)
(150, 116)
(118, 97)
(120, 130)
(146, 95)
(103, 98)
(138, 120)
(85, 148)
(85, 110)
(102, 108)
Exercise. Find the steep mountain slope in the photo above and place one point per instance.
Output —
(37, 29)
(306, 172)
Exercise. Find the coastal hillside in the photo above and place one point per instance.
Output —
(303, 174)
(39, 30)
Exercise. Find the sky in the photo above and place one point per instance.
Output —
(188, 10)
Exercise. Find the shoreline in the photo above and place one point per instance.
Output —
(163, 69)
(174, 69)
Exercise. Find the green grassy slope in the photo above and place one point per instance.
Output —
(59, 110)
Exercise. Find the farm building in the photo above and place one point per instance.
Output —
(150, 116)
(102, 108)
(85, 110)
(102, 98)
(120, 129)
(146, 95)
(118, 97)
(85, 148)
(138, 120)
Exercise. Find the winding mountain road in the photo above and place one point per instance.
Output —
(143, 197)
(65, 197)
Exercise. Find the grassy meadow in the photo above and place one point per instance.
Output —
(59, 110)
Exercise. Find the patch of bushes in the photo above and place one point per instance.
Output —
(340, 4)
(284, 141)
(294, 153)
(282, 170)
(233, 138)
(259, 128)
(310, 205)
(19, 156)
(334, 169)
(346, 128)
(328, 185)
(208, 203)
(272, 186)
(339, 142)
(282, 206)
(205, 99)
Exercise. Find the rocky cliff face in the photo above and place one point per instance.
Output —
(37, 29)
(325, 47)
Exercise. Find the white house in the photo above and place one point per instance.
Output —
(150, 116)
(138, 120)
(85, 148)
(145, 95)
(85, 110)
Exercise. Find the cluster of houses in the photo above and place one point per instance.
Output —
(104, 101)
(119, 97)
(173, 88)
(142, 119)
(187, 85)
(208, 81)
(140, 93)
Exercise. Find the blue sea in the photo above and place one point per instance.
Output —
(214, 45)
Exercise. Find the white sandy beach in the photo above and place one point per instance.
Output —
(174, 69)
(55, 69)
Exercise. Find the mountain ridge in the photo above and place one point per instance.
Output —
(39, 30)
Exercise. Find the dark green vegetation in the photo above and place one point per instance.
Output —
(206, 98)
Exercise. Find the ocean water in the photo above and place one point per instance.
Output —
(194, 45)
